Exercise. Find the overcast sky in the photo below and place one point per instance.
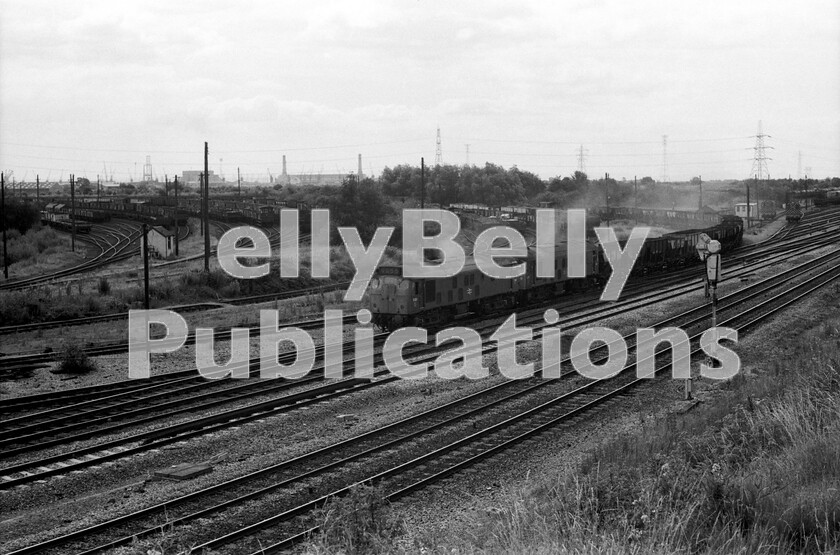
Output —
(92, 85)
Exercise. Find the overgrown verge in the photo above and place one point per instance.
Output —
(106, 296)
(37, 241)
(361, 522)
(755, 471)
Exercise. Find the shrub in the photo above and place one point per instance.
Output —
(104, 286)
(361, 522)
(73, 360)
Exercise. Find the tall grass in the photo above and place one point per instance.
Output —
(739, 476)
(38, 241)
(361, 522)
(60, 302)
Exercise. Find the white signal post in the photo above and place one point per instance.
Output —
(713, 274)
(709, 251)
(703, 252)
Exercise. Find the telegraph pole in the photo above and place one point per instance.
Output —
(38, 188)
(176, 215)
(748, 204)
(73, 211)
(607, 196)
(206, 209)
(635, 197)
(238, 183)
(3, 211)
(146, 265)
(97, 188)
(201, 196)
(606, 190)
(700, 207)
(422, 183)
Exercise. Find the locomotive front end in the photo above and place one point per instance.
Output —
(393, 299)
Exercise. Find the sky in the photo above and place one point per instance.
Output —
(93, 87)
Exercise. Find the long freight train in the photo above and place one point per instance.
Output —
(397, 301)
(161, 210)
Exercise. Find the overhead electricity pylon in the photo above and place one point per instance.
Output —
(759, 168)
(438, 151)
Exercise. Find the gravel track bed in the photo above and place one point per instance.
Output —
(449, 508)
(116, 488)
(114, 368)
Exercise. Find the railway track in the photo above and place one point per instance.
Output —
(115, 242)
(634, 287)
(106, 407)
(791, 245)
(820, 222)
(252, 299)
(122, 347)
(415, 452)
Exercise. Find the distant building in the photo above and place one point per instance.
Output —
(192, 178)
(161, 242)
(762, 210)
(741, 210)
(318, 179)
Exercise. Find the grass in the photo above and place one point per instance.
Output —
(360, 522)
(38, 241)
(755, 471)
(105, 296)
(40, 250)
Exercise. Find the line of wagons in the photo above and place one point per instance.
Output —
(527, 215)
(163, 213)
(397, 301)
(57, 215)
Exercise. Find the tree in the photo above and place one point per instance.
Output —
(444, 184)
(647, 180)
(532, 185)
(360, 205)
(20, 215)
(556, 184)
(580, 178)
(83, 186)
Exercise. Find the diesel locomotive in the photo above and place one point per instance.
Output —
(396, 301)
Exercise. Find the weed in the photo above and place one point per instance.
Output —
(73, 360)
(104, 286)
(360, 522)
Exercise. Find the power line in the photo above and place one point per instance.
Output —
(221, 151)
(516, 141)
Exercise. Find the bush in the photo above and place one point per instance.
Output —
(104, 286)
(20, 215)
(29, 245)
(361, 522)
(73, 360)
